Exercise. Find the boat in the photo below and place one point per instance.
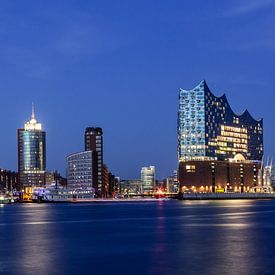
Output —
(60, 194)
(6, 199)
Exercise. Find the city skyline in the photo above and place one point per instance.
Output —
(150, 148)
(107, 69)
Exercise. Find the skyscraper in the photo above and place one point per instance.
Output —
(94, 142)
(148, 179)
(31, 153)
(209, 129)
(217, 148)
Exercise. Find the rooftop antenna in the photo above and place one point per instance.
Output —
(262, 163)
(33, 115)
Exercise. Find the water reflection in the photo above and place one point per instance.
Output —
(219, 241)
(159, 250)
(35, 245)
(209, 237)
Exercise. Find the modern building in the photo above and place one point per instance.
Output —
(133, 186)
(148, 179)
(53, 177)
(114, 184)
(79, 170)
(94, 142)
(219, 176)
(31, 154)
(105, 181)
(110, 183)
(208, 129)
(218, 150)
(8, 181)
(171, 183)
(265, 177)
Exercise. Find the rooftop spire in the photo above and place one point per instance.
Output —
(32, 124)
(33, 114)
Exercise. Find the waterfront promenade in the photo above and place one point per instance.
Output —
(226, 196)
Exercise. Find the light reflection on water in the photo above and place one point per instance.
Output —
(37, 243)
(204, 237)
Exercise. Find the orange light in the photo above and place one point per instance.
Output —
(160, 192)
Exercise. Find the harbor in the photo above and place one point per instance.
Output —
(69, 238)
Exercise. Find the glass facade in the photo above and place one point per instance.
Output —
(79, 170)
(191, 123)
(208, 129)
(148, 179)
(32, 154)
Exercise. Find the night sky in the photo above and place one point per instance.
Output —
(119, 64)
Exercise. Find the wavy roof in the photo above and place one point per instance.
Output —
(244, 114)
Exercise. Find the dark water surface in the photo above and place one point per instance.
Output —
(172, 237)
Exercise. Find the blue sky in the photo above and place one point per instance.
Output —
(119, 64)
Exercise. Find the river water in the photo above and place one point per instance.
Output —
(164, 237)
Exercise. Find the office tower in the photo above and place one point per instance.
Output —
(31, 154)
(79, 170)
(94, 142)
(148, 179)
(218, 150)
(208, 129)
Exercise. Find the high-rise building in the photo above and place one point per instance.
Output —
(218, 150)
(209, 129)
(79, 170)
(31, 154)
(94, 142)
(148, 179)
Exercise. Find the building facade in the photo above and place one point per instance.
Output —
(208, 129)
(105, 181)
(171, 183)
(94, 142)
(31, 154)
(218, 150)
(130, 186)
(53, 177)
(8, 181)
(114, 184)
(219, 176)
(79, 170)
(148, 179)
